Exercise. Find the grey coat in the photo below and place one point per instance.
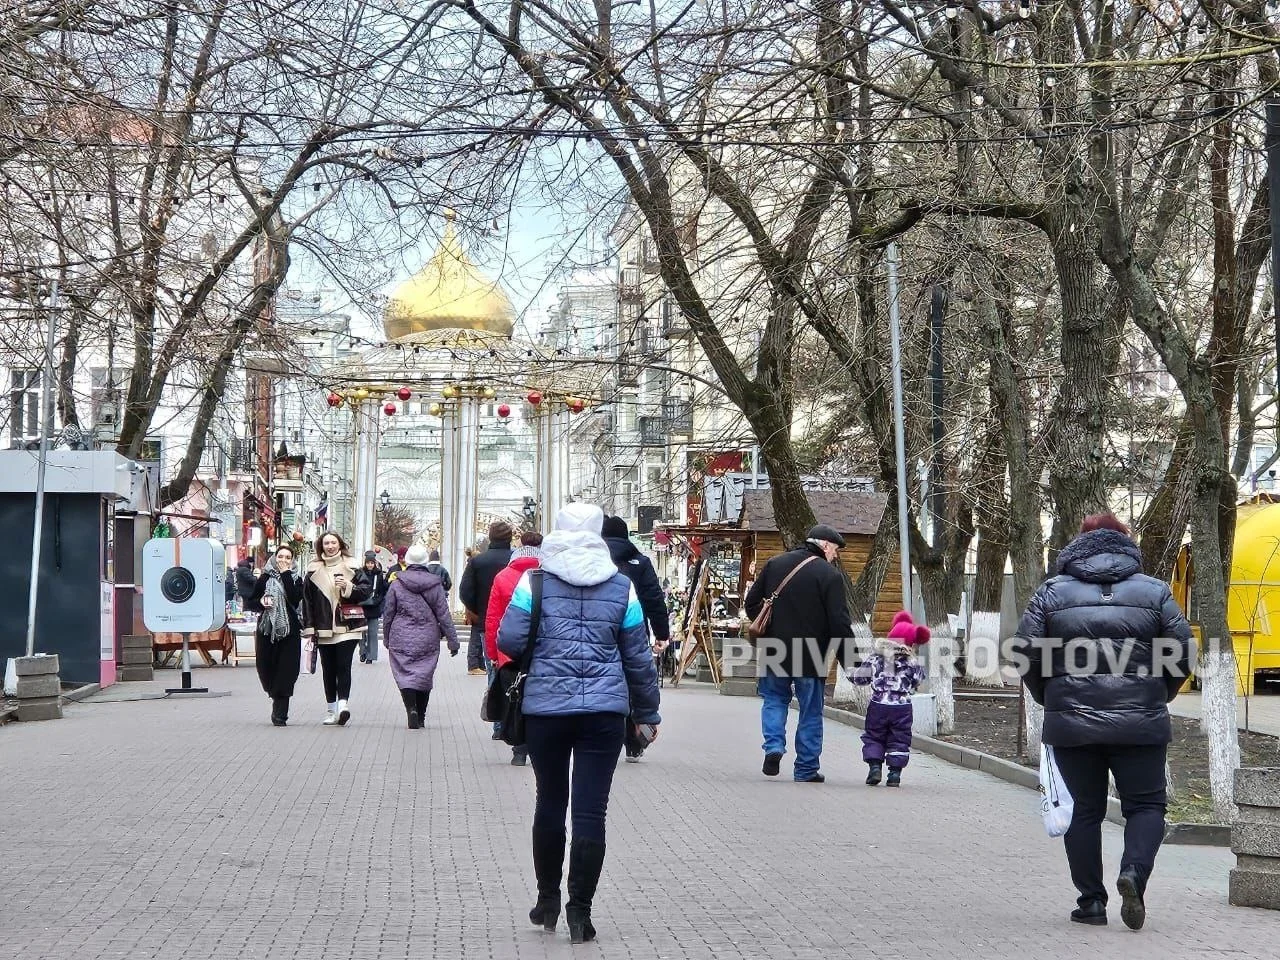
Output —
(415, 617)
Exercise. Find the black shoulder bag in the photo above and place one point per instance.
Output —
(504, 701)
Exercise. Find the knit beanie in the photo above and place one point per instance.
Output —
(905, 630)
(615, 527)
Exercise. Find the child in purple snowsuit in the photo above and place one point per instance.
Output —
(894, 674)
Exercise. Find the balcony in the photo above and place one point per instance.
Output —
(629, 286)
(653, 432)
(674, 323)
(628, 366)
(678, 415)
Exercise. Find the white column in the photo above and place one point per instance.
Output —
(468, 474)
(559, 473)
(451, 551)
(366, 474)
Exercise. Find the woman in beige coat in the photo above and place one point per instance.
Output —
(332, 581)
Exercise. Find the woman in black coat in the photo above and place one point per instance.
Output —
(1104, 649)
(277, 598)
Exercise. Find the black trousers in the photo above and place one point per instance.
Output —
(335, 665)
(593, 742)
(1139, 776)
(475, 649)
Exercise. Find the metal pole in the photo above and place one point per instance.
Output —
(904, 545)
(1273, 186)
(46, 419)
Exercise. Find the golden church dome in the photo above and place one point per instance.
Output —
(450, 292)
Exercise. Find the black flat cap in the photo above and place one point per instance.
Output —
(823, 532)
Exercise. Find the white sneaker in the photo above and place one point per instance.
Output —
(344, 713)
(330, 719)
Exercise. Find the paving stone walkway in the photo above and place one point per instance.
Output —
(194, 829)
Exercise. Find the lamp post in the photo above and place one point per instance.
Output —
(46, 422)
(384, 498)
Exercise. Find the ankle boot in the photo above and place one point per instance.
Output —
(586, 858)
(548, 863)
(874, 768)
(410, 698)
(279, 711)
(895, 777)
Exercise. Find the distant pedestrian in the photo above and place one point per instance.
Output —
(398, 567)
(810, 616)
(440, 570)
(245, 577)
(372, 607)
(523, 558)
(473, 591)
(331, 583)
(277, 644)
(416, 617)
(894, 674)
(638, 568)
(1100, 610)
(590, 665)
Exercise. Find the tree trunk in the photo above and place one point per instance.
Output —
(67, 412)
(1165, 519)
(940, 588)
(982, 642)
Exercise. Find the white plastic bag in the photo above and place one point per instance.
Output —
(1056, 805)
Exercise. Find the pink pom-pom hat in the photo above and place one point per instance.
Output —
(905, 630)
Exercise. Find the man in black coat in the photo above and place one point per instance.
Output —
(639, 570)
(1104, 648)
(810, 617)
(477, 583)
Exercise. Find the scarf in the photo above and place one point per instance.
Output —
(322, 571)
(276, 619)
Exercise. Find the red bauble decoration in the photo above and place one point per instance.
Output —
(504, 411)
(404, 393)
(389, 409)
(577, 405)
(334, 400)
(534, 397)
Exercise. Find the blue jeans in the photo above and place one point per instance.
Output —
(777, 692)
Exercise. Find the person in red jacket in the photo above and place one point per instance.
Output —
(523, 557)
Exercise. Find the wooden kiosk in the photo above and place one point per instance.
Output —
(751, 543)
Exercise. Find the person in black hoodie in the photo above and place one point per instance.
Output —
(639, 570)
(245, 579)
(1104, 649)
(473, 591)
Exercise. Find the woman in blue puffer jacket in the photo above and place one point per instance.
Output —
(591, 665)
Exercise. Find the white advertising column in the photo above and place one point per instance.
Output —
(366, 474)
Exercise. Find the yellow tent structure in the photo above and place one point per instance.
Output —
(1253, 597)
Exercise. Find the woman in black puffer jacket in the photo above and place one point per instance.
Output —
(1104, 649)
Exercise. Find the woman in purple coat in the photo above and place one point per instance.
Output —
(415, 618)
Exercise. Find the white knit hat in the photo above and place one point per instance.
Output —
(580, 516)
(416, 554)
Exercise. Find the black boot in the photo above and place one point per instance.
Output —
(410, 698)
(279, 711)
(586, 858)
(895, 777)
(874, 767)
(424, 697)
(548, 862)
(519, 756)
(1133, 910)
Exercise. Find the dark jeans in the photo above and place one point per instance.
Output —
(1139, 775)
(335, 665)
(475, 649)
(372, 637)
(593, 741)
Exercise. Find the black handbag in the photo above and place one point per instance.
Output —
(505, 701)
